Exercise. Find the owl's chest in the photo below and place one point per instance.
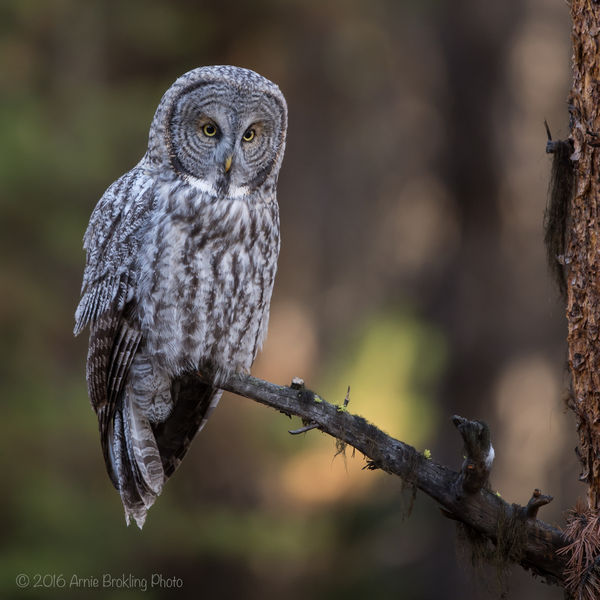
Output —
(208, 285)
(221, 252)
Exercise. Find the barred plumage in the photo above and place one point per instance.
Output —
(181, 258)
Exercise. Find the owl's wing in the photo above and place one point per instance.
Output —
(113, 344)
(112, 241)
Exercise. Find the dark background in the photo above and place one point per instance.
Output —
(412, 268)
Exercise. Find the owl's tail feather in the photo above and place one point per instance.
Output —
(143, 456)
(136, 462)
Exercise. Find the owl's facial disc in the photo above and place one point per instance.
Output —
(229, 138)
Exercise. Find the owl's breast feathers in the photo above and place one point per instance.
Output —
(207, 267)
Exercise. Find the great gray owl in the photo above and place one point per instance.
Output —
(181, 257)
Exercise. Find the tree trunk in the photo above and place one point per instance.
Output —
(583, 242)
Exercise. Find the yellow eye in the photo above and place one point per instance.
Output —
(209, 130)
(249, 135)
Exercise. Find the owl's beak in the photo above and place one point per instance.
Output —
(228, 163)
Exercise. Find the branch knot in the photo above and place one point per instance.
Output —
(479, 454)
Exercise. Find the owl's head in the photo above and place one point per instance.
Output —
(222, 126)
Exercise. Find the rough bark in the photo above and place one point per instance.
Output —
(583, 242)
(512, 528)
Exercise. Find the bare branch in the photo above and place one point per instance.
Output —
(478, 508)
(304, 429)
(535, 503)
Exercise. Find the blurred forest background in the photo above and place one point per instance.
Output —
(412, 268)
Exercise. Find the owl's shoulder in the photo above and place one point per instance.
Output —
(125, 200)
